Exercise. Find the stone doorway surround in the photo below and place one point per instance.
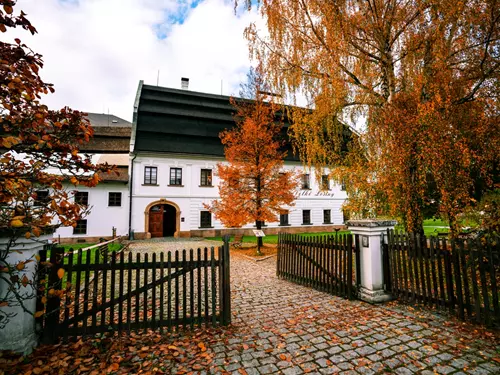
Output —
(162, 202)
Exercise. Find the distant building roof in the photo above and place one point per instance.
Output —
(103, 119)
(111, 134)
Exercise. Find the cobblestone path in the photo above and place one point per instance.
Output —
(281, 327)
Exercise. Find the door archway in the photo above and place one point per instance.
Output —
(162, 219)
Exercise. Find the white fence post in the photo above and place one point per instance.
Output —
(371, 233)
(19, 333)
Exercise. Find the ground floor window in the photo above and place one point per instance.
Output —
(327, 216)
(81, 227)
(284, 218)
(205, 219)
(42, 198)
(115, 199)
(306, 216)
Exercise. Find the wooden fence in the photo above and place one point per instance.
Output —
(118, 292)
(326, 263)
(461, 276)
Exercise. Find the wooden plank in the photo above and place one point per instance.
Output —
(137, 295)
(475, 288)
(434, 258)
(455, 256)
(493, 278)
(213, 286)
(350, 294)
(227, 283)
(95, 290)
(129, 298)
(112, 286)
(177, 300)
(104, 287)
(86, 288)
(161, 321)
(69, 278)
(199, 295)
(191, 289)
(153, 295)
(205, 283)
(427, 264)
(120, 289)
(484, 285)
(465, 278)
(416, 276)
(145, 322)
(420, 261)
(440, 261)
(78, 285)
(448, 277)
(184, 290)
(169, 291)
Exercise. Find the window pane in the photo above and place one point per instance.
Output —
(175, 176)
(42, 198)
(81, 227)
(325, 183)
(284, 219)
(82, 197)
(306, 217)
(206, 177)
(115, 199)
(305, 181)
(205, 219)
(150, 175)
(327, 219)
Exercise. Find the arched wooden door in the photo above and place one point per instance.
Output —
(156, 221)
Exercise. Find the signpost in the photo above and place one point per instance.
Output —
(258, 233)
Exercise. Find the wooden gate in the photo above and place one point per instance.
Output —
(459, 276)
(327, 263)
(117, 292)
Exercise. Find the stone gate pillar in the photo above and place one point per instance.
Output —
(371, 233)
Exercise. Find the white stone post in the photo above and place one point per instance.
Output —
(372, 272)
(19, 333)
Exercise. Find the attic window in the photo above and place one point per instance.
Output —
(115, 121)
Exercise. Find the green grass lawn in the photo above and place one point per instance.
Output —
(273, 238)
(431, 228)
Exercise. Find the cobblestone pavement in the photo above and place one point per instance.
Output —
(281, 327)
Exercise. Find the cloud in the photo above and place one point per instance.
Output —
(96, 51)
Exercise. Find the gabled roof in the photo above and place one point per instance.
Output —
(111, 134)
(182, 121)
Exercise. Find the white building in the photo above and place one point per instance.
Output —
(174, 150)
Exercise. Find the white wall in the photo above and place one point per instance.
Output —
(102, 218)
(190, 197)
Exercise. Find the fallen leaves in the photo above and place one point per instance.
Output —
(148, 353)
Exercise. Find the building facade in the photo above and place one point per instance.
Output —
(168, 175)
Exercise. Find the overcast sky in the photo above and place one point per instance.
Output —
(96, 51)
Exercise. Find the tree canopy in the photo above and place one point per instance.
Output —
(254, 186)
(422, 75)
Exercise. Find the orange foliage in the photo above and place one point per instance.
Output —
(423, 76)
(253, 187)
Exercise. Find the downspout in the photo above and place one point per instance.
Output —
(132, 152)
(131, 184)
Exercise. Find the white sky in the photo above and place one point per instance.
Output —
(96, 51)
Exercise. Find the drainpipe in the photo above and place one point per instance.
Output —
(131, 182)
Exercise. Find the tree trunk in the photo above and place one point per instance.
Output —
(258, 224)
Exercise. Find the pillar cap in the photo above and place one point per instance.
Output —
(371, 223)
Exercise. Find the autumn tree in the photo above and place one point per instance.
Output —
(254, 186)
(423, 77)
(39, 154)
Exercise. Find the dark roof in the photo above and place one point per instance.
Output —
(103, 119)
(119, 175)
(111, 134)
(183, 121)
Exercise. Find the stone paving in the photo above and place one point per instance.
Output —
(281, 327)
